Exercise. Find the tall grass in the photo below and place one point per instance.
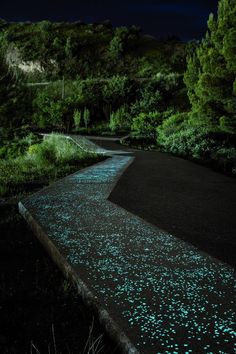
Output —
(52, 158)
(93, 344)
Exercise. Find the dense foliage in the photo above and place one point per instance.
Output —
(93, 78)
(211, 72)
(58, 72)
(208, 131)
(88, 50)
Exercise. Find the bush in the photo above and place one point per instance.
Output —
(17, 146)
(116, 90)
(146, 123)
(55, 149)
(50, 110)
(173, 124)
(46, 153)
(151, 100)
(55, 155)
(178, 136)
(157, 93)
(119, 120)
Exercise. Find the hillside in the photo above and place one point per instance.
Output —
(82, 50)
(97, 79)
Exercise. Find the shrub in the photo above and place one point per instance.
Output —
(119, 120)
(178, 136)
(170, 126)
(55, 155)
(145, 68)
(48, 110)
(55, 149)
(157, 93)
(46, 152)
(150, 101)
(146, 123)
(33, 149)
(116, 90)
(17, 146)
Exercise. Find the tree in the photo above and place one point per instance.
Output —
(50, 110)
(146, 123)
(117, 44)
(211, 72)
(86, 117)
(116, 90)
(77, 118)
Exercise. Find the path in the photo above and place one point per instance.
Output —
(153, 292)
(189, 201)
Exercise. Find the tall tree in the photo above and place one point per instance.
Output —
(211, 71)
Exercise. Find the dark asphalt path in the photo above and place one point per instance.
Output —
(189, 201)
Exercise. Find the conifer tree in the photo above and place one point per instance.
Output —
(211, 71)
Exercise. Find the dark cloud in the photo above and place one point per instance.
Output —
(184, 18)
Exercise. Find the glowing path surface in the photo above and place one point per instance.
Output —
(153, 292)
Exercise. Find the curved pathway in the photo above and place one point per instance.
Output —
(189, 201)
(153, 292)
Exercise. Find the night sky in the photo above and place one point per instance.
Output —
(183, 18)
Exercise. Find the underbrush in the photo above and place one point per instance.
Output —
(12, 147)
(207, 145)
(42, 163)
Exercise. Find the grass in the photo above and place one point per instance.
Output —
(93, 345)
(42, 163)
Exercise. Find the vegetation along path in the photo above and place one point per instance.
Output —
(154, 292)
